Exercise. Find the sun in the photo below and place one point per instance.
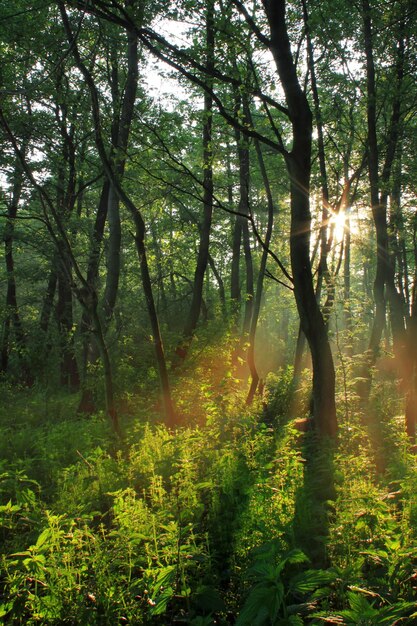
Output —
(338, 222)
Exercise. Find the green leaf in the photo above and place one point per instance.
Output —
(43, 538)
(9, 508)
(165, 576)
(310, 580)
(358, 603)
(262, 605)
(161, 603)
(208, 484)
(5, 609)
(296, 556)
(267, 551)
(262, 571)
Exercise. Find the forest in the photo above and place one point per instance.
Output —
(208, 344)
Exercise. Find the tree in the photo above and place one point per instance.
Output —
(205, 228)
(135, 213)
(298, 162)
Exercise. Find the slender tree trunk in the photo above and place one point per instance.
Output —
(378, 209)
(113, 254)
(131, 207)
(159, 268)
(48, 299)
(65, 201)
(203, 249)
(399, 250)
(119, 140)
(64, 312)
(411, 389)
(394, 296)
(235, 294)
(325, 244)
(91, 351)
(249, 280)
(153, 317)
(299, 166)
(385, 276)
(259, 285)
(12, 314)
(4, 353)
(347, 308)
(220, 283)
(89, 301)
(241, 232)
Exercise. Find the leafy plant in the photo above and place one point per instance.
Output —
(277, 595)
(363, 612)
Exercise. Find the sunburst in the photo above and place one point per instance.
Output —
(338, 223)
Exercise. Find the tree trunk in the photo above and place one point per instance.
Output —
(378, 209)
(153, 317)
(259, 284)
(299, 166)
(135, 213)
(113, 254)
(120, 140)
(160, 274)
(394, 296)
(325, 244)
(203, 249)
(347, 308)
(236, 235)
(411, 382)
(385, 274)
(64, 312)
(235, 295)
(48, 299)
(220, 283)
(91, 352)
(249, 280)
(311, 319)
(12, 314)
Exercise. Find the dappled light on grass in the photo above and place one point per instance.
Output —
(209, 382)
(235, 514)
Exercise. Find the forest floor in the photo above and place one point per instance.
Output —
(235, 518)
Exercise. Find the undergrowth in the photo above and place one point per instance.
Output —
(234, 518)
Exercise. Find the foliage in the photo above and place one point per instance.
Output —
(203, 524)
(277, 597)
